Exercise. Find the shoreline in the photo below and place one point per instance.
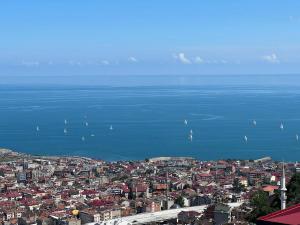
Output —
(10, 152)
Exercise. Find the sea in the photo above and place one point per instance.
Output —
(134, 121)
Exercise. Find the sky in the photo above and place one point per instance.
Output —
(134, 37)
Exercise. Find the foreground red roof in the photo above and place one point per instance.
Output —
(290, 216)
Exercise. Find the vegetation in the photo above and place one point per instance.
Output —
(263, 204)
(237, 186)
(293, 190)
(186, 186)
(179, 201)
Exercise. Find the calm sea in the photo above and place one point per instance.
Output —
(148, 121)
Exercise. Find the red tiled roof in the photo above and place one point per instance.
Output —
(140, 188)
(276, 174)
(13, 194)
(6, 203)
(160, 186)
(289, 216)
(270, 188)
(125, 188)
(28, 202)
(100, 202)
(89, 192)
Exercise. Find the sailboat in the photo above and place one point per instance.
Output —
(86, 124)
(246, 138)
(185, 122)
(281, 126)
(191, 132)
(254, 122)
(297, 137)
(111, 128)
(65, 131)
(191, 137)
(37, 128)
(65, 121)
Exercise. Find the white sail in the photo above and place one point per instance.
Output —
(111, 127)
(37, 128)
(254, 122)
(246, 138)
(185, 122)
(281, 126)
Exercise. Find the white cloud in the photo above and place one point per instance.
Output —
(74, 63)
(105, 62)
(271, 58)
(198, 60)
(30, 63)
(182, 58)
(132, 59)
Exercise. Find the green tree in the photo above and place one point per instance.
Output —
(293, 190)
(179, 201)
(186, 186)
(261, 205)
(274, 200)
(237, 186)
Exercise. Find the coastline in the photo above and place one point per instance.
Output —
(4, 152)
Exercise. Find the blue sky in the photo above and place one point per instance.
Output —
(149, 37)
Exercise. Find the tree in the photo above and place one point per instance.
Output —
(179, 201)
(274, 200)
(261, 205)
(293, 190)
(186, 186)
(237, 186)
